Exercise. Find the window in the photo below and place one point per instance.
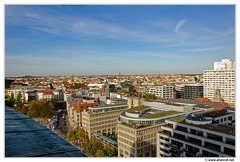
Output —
(230, 141)
(197, 132)
(229, 151)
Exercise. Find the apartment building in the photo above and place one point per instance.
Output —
(222, 78)
(196, 136)
(75, 106)
(102, 119)
(138, 126)
(193, 91)
(160, 91)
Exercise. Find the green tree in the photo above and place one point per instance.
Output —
(19, 98)
(33, 109)
(108, 150)
(41, 108)
(150, 96)
(11, 98)
(24, 109)
(94, 145)
(123, 91)
(99, 153)
(71, 135)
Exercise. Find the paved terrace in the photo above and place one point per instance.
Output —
(24, 137)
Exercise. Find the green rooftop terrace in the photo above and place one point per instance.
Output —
(162, 114)
(215, 113)
(217, 128)
(136, 109)
(110, 105)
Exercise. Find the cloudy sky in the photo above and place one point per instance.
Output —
(108, 39)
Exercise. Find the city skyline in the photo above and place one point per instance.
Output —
(107, 39)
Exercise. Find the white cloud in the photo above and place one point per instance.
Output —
(179, 25)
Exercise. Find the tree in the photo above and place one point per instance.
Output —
(94, 145)
(71, 135)
(108, 150)
(99, 153)
(150, 96)
(24, 109)
(123, 91)
(11, 98)
(41, 108)
(19, 98)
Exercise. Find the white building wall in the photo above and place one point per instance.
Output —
(221, 79)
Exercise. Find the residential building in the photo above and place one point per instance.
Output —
(48, 94)
(160, 91)
(30, 95)
(222, 78)
(75, 106)
(205, 134)
(193, 91)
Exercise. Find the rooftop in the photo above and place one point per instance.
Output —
(136, 109)
(215, 113)
(24, 137)
(217, 128)
(162, 114)
(109, 105)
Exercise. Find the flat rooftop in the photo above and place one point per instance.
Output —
(24, 137)
(162, 114)
(120, 104)
(136, 109)
(217, 128)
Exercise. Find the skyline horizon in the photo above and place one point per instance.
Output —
(101, 39)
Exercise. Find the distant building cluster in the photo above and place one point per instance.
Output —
(189, 116)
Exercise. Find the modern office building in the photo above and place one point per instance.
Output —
(102, 119)
(138, 126)
(205, 134)
(193, 91)
(222, 78)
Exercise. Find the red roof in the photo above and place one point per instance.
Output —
(48, 92)
(220, 105)
(202, 99)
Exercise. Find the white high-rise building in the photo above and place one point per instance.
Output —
(222, 78)
(226, 64)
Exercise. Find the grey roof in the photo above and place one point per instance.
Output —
(24, 137)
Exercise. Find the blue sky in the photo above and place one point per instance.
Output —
(107, 39)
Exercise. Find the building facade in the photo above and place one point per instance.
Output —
(75, 106)
(137, 127)
(160, 91)
(222, 78)
(196, 136)
(193, 91)
(102, 119)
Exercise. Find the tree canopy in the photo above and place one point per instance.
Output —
(41, 108)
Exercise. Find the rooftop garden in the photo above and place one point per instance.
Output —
(109, 105)
(215, 113)
(137, 126)
(162, 114)
(138, 108)
(217, 128)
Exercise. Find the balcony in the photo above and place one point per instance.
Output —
(176, 151)
(212, 148)
(192, 153)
